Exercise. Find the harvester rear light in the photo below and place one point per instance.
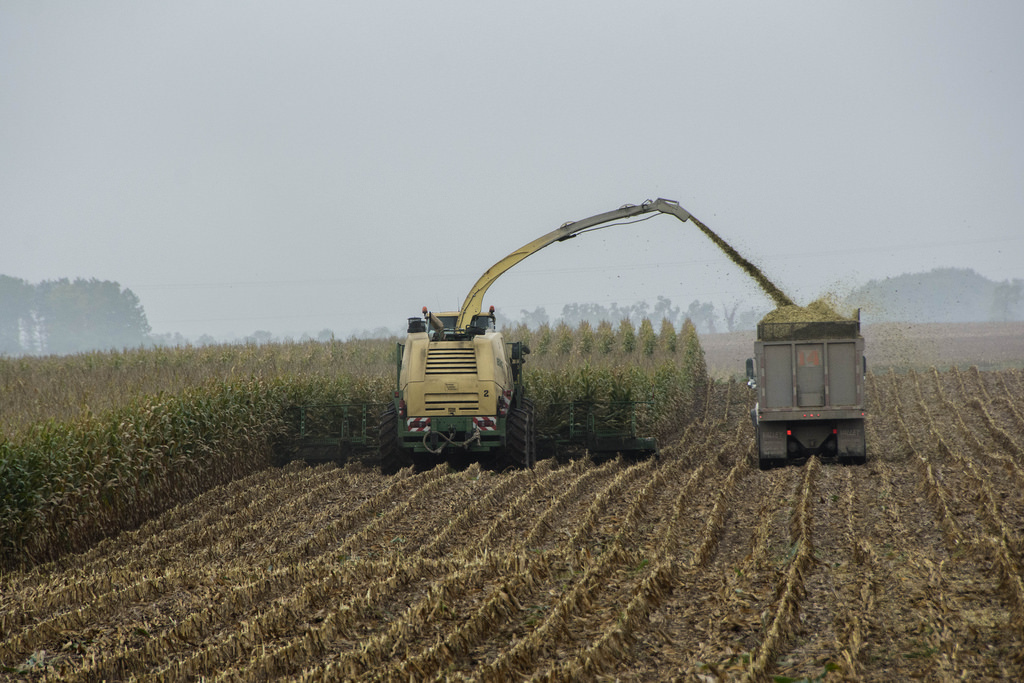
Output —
(401, 407)
(504, 402)
(418, 424)
(485, 423)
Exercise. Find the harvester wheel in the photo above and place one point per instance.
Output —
(521, 437)
(392, 457)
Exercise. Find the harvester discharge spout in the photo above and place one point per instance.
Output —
(472, 305)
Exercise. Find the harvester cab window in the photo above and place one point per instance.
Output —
(482, 323)
(447, 327)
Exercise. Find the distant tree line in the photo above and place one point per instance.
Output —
(942, 295)
(71, 316)
(68, 316)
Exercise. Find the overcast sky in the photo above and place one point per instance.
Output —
(294, 166)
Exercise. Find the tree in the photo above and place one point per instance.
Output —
(748, 319)
(702, 314)
(260, 337)
(665, 310)
(15, 313)
(729, 315)
(1005, 298)
(574, 314)
(535, 319)
(86, 315)
(169, 339)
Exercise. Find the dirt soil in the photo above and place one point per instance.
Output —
(693, 566)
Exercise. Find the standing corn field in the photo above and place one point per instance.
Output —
(97, 443)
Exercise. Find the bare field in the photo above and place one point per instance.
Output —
(990, 346)
(692, 566)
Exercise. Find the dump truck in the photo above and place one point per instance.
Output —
(809, 379)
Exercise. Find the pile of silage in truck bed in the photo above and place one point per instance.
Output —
(817, 320)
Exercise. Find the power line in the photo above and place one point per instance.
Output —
(782, 256)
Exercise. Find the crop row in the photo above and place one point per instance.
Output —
(957, 482)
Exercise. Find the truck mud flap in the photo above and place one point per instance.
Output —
(851, 442)
(772, 440)
(764, 464)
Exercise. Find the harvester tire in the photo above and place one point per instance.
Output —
(521, 437)
(392, 457)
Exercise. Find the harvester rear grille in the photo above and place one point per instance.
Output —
(444, 403)
(451, 362)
